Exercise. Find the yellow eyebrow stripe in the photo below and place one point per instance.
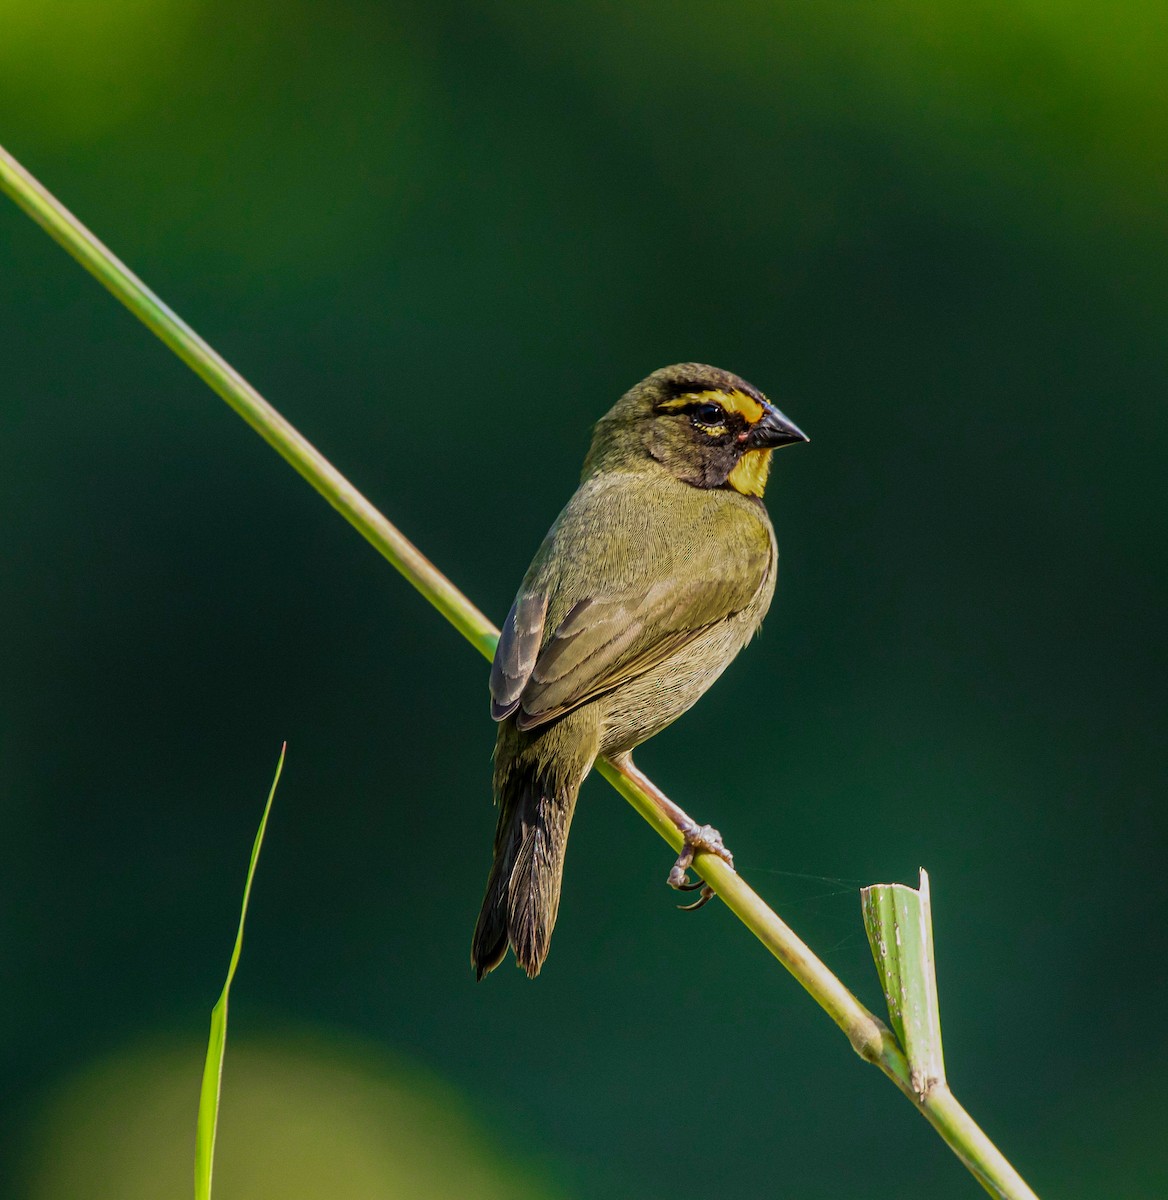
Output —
(732, 402)
(740, 402)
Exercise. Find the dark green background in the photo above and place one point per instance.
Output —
(442, 239)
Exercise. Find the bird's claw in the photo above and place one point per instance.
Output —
(699, 839)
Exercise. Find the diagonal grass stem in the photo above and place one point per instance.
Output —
(871, 1039)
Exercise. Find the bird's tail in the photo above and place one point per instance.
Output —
(523, 889)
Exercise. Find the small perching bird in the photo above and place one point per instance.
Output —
(659, 570)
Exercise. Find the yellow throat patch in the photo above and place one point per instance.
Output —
(750, 475)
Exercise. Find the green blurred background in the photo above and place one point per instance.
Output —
(443, 238)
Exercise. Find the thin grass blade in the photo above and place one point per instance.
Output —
(217, 1042)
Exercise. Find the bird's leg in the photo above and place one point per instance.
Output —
(698, 839)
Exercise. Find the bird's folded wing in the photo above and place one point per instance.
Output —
(607, 637)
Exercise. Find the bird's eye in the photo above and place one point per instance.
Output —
(709, 414)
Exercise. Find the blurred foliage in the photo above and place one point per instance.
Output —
(442, 238)
(79, 68)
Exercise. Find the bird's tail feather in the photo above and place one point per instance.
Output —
(523, 889)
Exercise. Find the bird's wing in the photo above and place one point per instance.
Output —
(608, 599)
(606, 640)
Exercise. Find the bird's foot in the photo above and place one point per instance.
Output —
(699, 839)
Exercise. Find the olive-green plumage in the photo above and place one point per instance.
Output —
(655, 575)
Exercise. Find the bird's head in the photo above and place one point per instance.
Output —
(705, 426)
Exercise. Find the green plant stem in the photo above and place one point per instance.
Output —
(870, 1038)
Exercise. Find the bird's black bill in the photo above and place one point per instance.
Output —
(772, 430)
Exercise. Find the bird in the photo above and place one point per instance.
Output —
(654, 576)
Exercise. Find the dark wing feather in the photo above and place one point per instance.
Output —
(516, 653)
